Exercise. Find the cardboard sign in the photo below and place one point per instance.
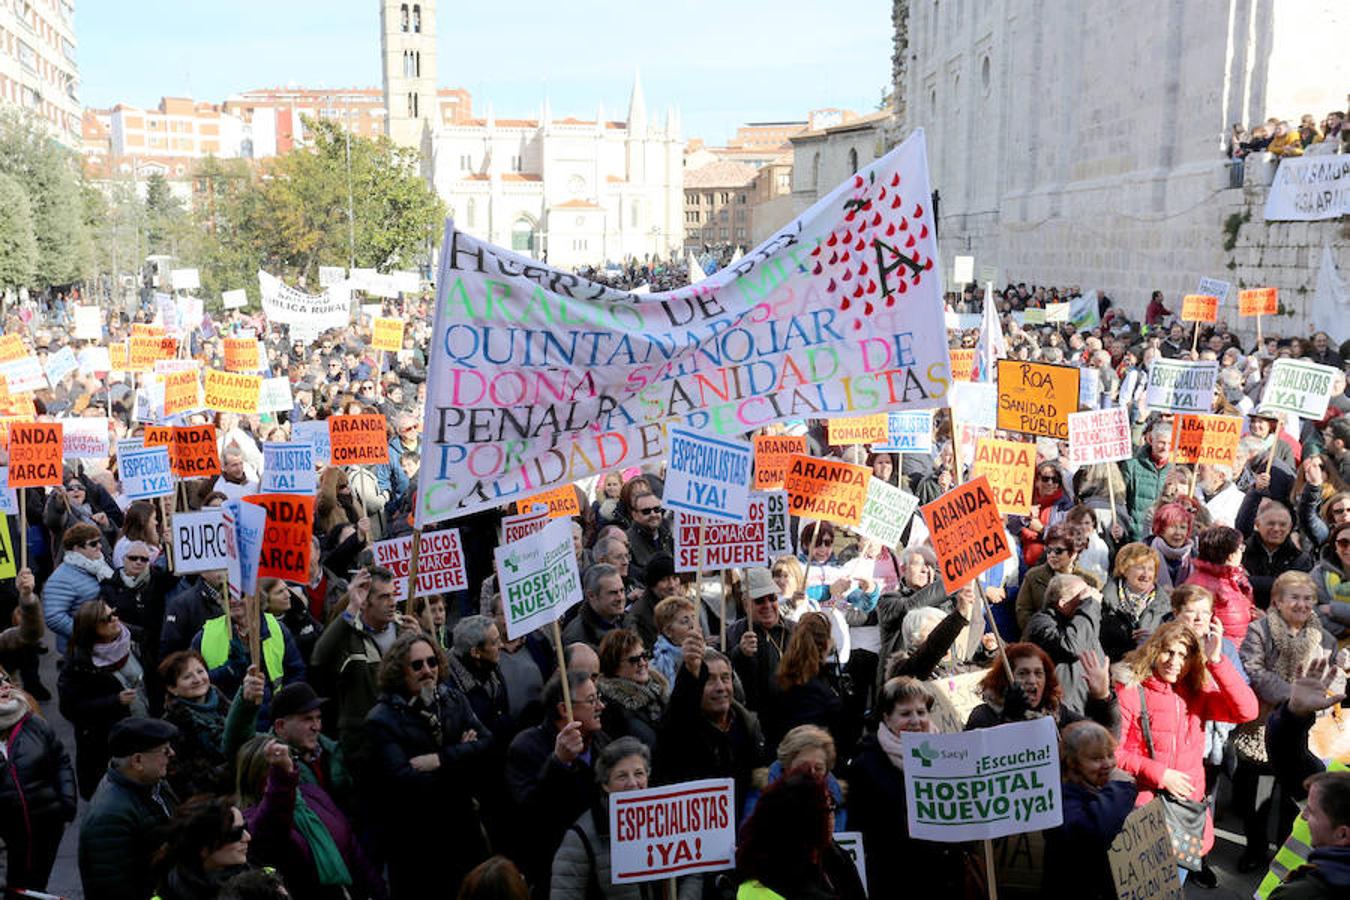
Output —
(275, 395)
(358, 440)
(1036, 398)
(194, 453)
(851, 842)
(907, 432)
(1299, 387)
(386, 334)
(826, 489)
(777, 524)
(23, 376)
(1178, 386)
(1215, 288)
(143, 350)
(857, 430)
(241, 355)
(60, 364)
(86, 438)
(967, 532)
(236, 299)
(157, 436)
(561, 502)
(288, 469)
(985, 783)
(772, 452)
(1141, 856)
(1099, 436)
(9, 566)
(232, 392)
(537, 576)
(88, 324)
(182, 392)
(1010, 467)
(1206, 439)
(886, 512)
(95, 360)
(315, 433)
(1199, 308)
(199, 541)
(702, 543)
(708, 475)
(963, 363)
(524, 524)
(1259, 302)
(145, 473)
(286, 544)
(975, 402)
(35, 450)
(674, 830)
(12, 347)
(440, 563)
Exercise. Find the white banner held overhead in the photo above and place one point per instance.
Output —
(200, 542)
(88, 323)
(673, 830)
(185, 279)
(1179, 386)
(440, 563)
(1309, 188)
(286, 305)
(24, 376)
(236, 299)
(1298, 387)
(275, 395)
(538, 579)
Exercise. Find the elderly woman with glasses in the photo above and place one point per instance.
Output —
(77, 580)
(634, 692)
(1061, 558)
(426, 746)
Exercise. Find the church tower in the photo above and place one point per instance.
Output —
(408, 48)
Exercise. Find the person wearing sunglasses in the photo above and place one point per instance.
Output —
(76, 580)
(71, 504)
(648, 536)
(1050, 500)
(1061, 558)
(426, 747)
(205, 845)
(1332, 577)
(634, 692)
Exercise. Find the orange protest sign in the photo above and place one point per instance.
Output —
(826, 489)
(35, 453)
(1259, 302)
(144, 350)
(145, 329)
(157, 436)
(12, 347)
(967, 532)
(1205, 439)
(193, 453)
(858, 430)
(232, 392)
(561, 502)
(1199, 308)
(181, 392)
(1036, 398)
(358, 440)
(387, 334)
(117, 356)
(241, 355)
(963, 363)
(772, 452)
(286, 544)
(1010, 467)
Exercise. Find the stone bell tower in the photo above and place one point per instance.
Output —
(408, 52)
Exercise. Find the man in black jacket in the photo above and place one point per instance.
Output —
(187, 610)
(602, 611)
(757, 641)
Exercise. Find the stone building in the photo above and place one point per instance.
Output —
(717, 205)
(1083, 141)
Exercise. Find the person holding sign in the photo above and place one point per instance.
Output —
(1034, 690)
(223, 642)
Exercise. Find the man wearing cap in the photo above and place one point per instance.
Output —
(298, 723)
(122, 826)
(757, 641)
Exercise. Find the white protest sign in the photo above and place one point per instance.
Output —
(908, 432)
(191, 311)
(86, 438)
(372, 311)
(1179, 386)
(199, 541)
(1308, 188)
(440, 563)
(708, 475)
(524, 524)
(777, 524)
(234, 585)
(250, 523)
(1089, 388)
(851, 842)
(1141, 858)
(60, 364)
(288, 306)
(673, 830)
(288, 468)
(275, 395)
(314, 433)
(236, 299)
(1213, 287)
(963, 270)
(88, 324)
(185, 279)
(1299, 387)
(9, 497)
(95, 360)
(975, 403)
(702, 543)
(1057, 312)
(23, 376)
(406, 282)
(985, 783)
(537, 576)
(331, 275)
(1099, 436)
(169, 366)
(886, 512)
(144, 472)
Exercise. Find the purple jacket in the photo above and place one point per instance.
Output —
(277, 842)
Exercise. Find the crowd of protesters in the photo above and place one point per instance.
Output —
(1194, 629)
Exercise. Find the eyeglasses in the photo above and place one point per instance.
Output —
(1343, 542)
(1058, 550)
(649, 511)
(1047, 478)
(638, 659)
(89, 545)
(418, 665)
(767, 598)
(234, 835)
(75, 487)
(130, 558)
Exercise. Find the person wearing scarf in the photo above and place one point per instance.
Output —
(1332, 576)
(1133, 603)
(1173, 532)
(75, 581)
(201, 762)
(298, 828)
(68, 506)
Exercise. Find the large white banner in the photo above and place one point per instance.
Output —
(539, 377)
(331, 309)
(1307, 188)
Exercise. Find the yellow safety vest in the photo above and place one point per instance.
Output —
(216, 637)
(1294, 852)
(753, 890)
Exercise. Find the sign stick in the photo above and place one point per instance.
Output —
(1259, 341)
(23, 530)
(698, 576)
(412, 570)
(562, 668)
(672, 892)
(1111, 487)
(254, 629)
(993, 626)
(1195, 337)
(989, 869)
(165, 525)
(1195, 471)
(726, 589)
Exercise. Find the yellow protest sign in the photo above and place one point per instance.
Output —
(387, 334)
(772, 453)
(1010, 467)
(963, 363)
(1205, 439)
(232, 392)
(1199, 308)
(8, 567)
(144, 350)
(117, 356)
(181, 392)
(12, 347)
(145, 329)
(1036, 398)
(858, 430)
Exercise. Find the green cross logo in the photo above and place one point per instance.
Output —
(924, 754)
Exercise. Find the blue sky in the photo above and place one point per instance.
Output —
(722, 63)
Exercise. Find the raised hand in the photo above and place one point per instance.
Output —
(1309, 694)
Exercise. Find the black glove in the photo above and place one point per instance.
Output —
(1014, 703)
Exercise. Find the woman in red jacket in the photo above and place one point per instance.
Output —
(1048, 494)
(1185, 681)
(1217, 567)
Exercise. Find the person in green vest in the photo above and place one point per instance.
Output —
(223, 643)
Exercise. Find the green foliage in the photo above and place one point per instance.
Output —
(49, 175)
(1232, 225)
(18, 244)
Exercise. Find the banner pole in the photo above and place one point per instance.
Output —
(412, 570)
(1195, 336)
(1259, 340)
(726, 589)
(989, 869)
(562, 669)
(254, 616)
(1111, 487)
(23, 529)
(993, 626)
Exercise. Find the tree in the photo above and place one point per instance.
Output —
(18, 244)
(49, 175)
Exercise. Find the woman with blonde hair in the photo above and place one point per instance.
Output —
(1134, 604)
(790, 577)
(343, 533)
(804, 747)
